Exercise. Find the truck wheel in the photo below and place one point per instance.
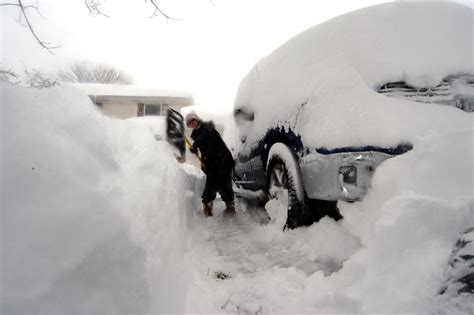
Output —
(285, 189)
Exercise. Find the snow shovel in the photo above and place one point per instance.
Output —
(190, 146)
(175, 132)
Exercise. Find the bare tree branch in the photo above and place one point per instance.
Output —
(10, 76)
(33, 78)
(8, 4)
(43, 44)
(157, 9)
(94, 7)
(24, 16)
(39, 80)
(36, 7)
(88, 72)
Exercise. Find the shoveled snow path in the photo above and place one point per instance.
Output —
(239, 240)
(264, 267)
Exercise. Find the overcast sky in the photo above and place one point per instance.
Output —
(207, 52)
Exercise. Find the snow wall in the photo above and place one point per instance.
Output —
(93, 210)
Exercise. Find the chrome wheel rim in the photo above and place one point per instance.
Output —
(277, 207)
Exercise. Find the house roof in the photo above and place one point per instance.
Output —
(128, 90)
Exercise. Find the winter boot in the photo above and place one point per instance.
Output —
(230, 207)
(207, 208)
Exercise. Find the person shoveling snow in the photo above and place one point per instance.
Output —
(216, 163)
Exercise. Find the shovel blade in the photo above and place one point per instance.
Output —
(175, 130)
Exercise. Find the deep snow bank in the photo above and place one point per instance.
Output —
(389, 255)
(322, 85)
(419, 204)
(93, 210)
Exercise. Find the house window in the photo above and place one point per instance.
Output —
(140, 109)
(152, 110)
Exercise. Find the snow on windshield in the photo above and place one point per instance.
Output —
(321, 83)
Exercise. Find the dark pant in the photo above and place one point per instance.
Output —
(217, 183)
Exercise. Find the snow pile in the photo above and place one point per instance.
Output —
(321, 83)
(157, 124)
(92, 220)
(408, 224)
(390, 253)
(97, 217)
(460, 270)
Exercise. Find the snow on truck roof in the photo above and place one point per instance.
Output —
(333, 69)
(384, 42)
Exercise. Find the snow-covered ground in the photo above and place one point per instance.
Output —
(98, 217)
(388, 255)
(94, 211)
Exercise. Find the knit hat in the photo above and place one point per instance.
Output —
(190, 116)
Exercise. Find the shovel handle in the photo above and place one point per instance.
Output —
(190, 146)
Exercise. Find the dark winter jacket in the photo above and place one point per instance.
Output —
(215, 155)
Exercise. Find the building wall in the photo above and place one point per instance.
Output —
(126, 106)
(124, 110)
(119, 110)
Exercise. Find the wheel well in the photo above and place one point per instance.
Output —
(289, 161)
(287, 137)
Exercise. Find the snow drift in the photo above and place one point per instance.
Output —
(95, 214)
(92, 220)
(322, 85)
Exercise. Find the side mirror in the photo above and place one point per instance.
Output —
(175, 130)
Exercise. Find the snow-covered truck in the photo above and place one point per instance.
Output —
(318, 115)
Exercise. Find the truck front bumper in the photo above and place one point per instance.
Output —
(339, 176)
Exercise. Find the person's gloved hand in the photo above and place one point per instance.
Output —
(193, 150)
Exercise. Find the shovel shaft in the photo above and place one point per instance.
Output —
(190, 146)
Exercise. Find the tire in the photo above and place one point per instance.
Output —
(316, 209)
(460, 269)
(284, 188)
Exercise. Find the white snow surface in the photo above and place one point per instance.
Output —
(93, 210)
(322, 82)
(157, 124)
(99, 218)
